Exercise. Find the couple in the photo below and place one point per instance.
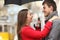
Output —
(52, 29)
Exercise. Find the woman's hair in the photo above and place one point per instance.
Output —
(22, 16)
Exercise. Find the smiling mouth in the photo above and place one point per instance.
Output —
(31, 18)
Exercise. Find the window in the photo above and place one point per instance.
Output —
(0, 28)
(13, 30)
(5, 28)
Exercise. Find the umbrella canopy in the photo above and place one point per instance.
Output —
(19, 2)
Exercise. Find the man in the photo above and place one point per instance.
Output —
(50, 10)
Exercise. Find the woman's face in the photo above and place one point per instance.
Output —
(29, 17)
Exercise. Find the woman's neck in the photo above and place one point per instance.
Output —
(27, 23)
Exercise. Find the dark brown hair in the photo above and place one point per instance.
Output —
(50, 3)
(22, 16)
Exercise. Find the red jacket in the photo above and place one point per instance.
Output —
(27, 33)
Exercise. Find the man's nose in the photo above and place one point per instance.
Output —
(42, 10)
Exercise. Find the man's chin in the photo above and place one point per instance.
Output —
(46, 15)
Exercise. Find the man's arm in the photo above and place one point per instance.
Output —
(55, 32)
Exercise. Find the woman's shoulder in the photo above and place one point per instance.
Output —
(26, 28)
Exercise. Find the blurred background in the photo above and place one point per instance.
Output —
(9, 12)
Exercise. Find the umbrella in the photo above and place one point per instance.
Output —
(19, 2)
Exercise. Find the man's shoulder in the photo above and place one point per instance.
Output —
(56, 20)
(56, 23)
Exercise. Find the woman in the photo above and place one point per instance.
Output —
(24, 30)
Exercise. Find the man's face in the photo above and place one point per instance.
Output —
(46, 10)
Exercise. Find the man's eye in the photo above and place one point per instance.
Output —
(44, 7)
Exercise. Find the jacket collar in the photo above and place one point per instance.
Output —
(55, 13)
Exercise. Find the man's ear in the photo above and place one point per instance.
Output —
(51, 8)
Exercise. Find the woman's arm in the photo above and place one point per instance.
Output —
(37, 34)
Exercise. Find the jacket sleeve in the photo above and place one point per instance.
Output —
(37, 34)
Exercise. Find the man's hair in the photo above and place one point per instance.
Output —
(50, 3)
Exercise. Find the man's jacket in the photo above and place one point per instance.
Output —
(55, 31)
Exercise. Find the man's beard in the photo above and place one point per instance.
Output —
(47, 15)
